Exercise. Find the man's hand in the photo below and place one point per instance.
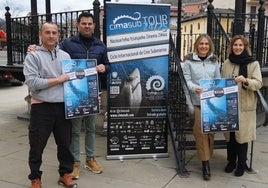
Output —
(31, 48)
(198, 90)
(63, 78)
(59, 80)
(100, 68)
(99, 97)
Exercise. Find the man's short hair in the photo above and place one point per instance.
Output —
(85, 14)
(48, 22)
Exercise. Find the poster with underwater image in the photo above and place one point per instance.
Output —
(138, 94)
(139, 86)
(219, 105)
(138, 49)
(81, 91)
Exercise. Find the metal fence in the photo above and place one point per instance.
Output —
(220, 28)
(24, 31)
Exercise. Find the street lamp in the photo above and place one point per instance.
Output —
(48, 11)
(239, 22)
(34, 23)
(178, 39)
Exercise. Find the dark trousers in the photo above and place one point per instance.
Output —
(45, 119)
(237, 152)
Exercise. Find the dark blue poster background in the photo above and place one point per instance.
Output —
(219, 105)
(81, 91)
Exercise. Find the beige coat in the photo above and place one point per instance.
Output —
(247, 100)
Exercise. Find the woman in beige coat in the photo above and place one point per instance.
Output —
(246, 71)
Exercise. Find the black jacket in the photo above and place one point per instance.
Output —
(90, 49)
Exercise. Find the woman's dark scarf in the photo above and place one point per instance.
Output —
(242, 60)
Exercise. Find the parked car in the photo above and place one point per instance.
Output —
(7, 78)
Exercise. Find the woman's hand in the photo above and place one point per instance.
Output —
(241, 79)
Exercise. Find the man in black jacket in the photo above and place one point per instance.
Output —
(85, 46)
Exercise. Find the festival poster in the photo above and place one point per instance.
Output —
(82, 90)
(138, 47)
(219, 105)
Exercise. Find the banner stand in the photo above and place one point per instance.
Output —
(138, 51)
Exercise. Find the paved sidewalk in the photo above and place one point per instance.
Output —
(131, 173)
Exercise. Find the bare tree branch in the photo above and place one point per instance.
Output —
(15, 8)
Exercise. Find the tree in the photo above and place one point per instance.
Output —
(15, 10)
(16, 7)
(2, 24)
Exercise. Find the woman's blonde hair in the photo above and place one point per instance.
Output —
(199, 38)
(244, 41)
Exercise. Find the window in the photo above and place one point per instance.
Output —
(191, 29)
(253, 11)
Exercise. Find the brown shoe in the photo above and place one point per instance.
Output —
(93, 166)
(76, 171)
(36, 183)
(67, 181)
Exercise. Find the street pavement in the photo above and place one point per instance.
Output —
(128, 173)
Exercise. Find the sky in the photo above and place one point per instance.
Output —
(56, 5)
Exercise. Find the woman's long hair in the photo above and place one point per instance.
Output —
(199, 38)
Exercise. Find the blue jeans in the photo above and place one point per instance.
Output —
(89, 122)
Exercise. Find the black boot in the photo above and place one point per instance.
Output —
(206, 170)
(230, 167)
(242, 158)
(240, 169)
(232, 151)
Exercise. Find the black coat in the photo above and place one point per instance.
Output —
(90, 49)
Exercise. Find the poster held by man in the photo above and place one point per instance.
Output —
(82, 90)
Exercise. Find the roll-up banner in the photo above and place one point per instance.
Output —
(138, 48)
